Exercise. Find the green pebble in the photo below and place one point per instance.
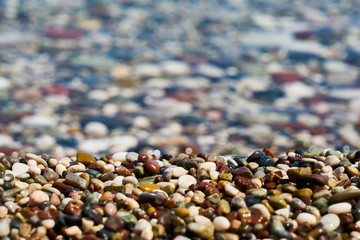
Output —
(321, 204)
(224, 206)
(7, 185)
(345, 163)
(93, 199)
(114, 188)
(332, 152)
(226, 176)
(40, 179)
(29, 181)
(139, 171)
(214, 198)
(10, 193)
(289, 188)
(168, 189)
(277, 202)
(93, 173)
(130, 219)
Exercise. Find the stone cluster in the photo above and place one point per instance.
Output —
(302, 194)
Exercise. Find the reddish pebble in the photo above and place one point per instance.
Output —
(157, 214)
(107, 196)
(268, 152)
(55, 200)
(110, 209)
(61, 186)
(143, 157)
(71, 208)
(152, 166)
(123, 171)
(49, 213)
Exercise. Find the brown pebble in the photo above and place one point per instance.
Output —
(152, 166)
(314, 179)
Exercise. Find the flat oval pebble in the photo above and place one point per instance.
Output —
(314, 179)
(306, 218)
(339, 208)
(330, 221)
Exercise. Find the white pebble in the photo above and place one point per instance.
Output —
(221, 223)
(231, 190)
(306, 217)
(185, 181)
(19, 168)
(208, 166)
(332, 161)
(339, 208)
(330, 221)
(120, 156)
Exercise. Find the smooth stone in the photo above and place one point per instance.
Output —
(265, 161)
(5, 227)
(330, 222)
(297, 204)
(149, 187)
(214, 198)
(315, 179)
(130, 179)
(339, 208)
(182, 212)
(110, 209)
(178, 172)
(119, 156)
(142, 225)
(238, 202)
(203, 230)
(344, 196)
(225, 176)
(152, 166)
(40, 179)
(199, 197)
(150, 197)
(221, 223)
(332, 160)
(277, 202)
(38, 197)
(114, 223)
(85, 158)
(224, 206)
(208, 166)
(186, 180)
(231, 190)
(76, 181)
(19, 168)
(50, 175)
(306, 217)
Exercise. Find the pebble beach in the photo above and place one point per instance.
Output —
(311, 194)
(179, 119)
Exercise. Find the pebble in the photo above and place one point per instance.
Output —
(306, 218)
(339, 208)
(330, 222)
(221, 223)
(38, 197)
(107, 200)
(5, 227)
(76, 181)
(185, 181)
(20, 168)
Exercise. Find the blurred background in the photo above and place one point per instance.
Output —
(213, 76)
